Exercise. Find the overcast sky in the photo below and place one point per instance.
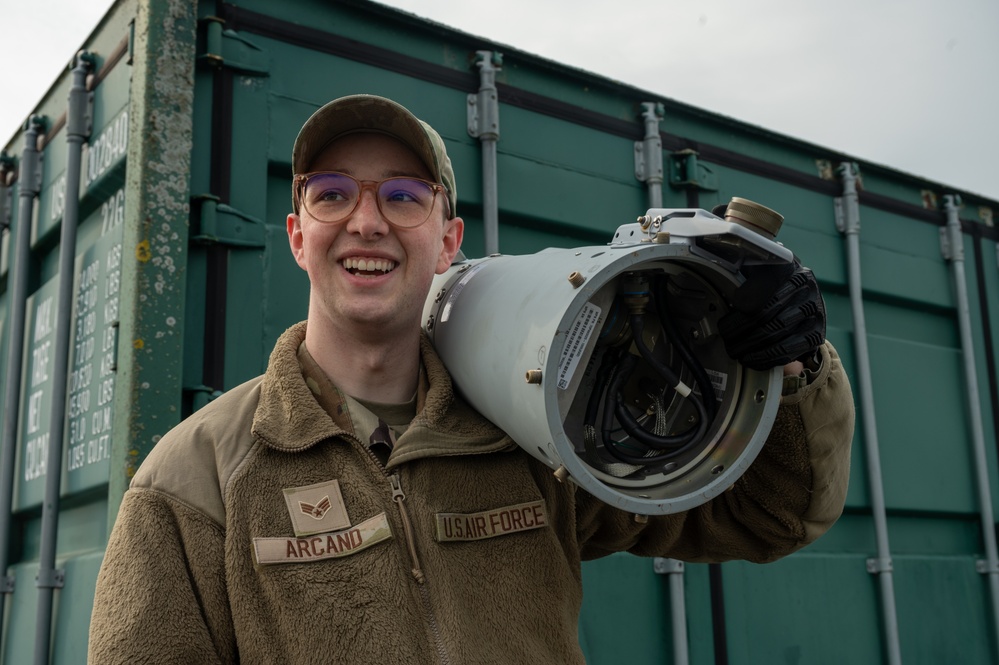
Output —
(910, 84)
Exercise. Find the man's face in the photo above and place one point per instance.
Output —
(390, 298)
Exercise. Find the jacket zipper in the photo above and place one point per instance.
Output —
(407, 527)
(400, 497)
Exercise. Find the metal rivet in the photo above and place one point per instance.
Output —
(760, 396)
(576, 279)
(533, 376)
(717, 469)
(561, 474)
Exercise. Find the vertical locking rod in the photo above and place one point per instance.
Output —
(77, 132)
(952, 242)
(483, 123)
(677, 605)
(30, 184)
(848, 222)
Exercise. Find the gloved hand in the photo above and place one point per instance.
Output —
(777, 316)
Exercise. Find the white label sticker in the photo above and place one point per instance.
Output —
(575, 343)
(720, 382)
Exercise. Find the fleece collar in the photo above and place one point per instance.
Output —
(289, 417)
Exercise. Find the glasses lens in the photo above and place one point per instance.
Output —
(329, 197)
(405, 201)
(332, 197)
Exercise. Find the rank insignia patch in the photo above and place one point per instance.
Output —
(316, 508)
(317, 511)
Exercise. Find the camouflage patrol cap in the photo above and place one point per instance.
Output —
(359, 113)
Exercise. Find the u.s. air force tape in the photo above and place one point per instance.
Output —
(491, 523)
(323, 545)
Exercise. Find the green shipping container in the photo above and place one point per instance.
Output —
(182, 281)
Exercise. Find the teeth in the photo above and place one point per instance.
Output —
(369, 265)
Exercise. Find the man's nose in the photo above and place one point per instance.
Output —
(367, 219)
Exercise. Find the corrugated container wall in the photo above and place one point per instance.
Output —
(183, 280)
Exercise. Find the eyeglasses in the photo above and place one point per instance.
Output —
(332, 197)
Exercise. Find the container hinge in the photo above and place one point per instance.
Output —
(649, 151)
(227, 48)
(7, 584)
(201, 395)
(30, 173)
(876, 566)
(846, 208)
(664, 566)
(840, 214)
(483, 106)
(686, 170)
(8, 169)
(52, 578)
(951, 240)
(221, 224)
(80, 117)
(985, 214)
(983, 567)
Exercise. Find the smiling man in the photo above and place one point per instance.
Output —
(349, 507)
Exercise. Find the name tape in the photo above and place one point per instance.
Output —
(324, 545)
(491, 523)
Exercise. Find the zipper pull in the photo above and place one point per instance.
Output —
(407, 527)
(397, 493)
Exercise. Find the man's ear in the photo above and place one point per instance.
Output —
(295, 239)
(454, 231)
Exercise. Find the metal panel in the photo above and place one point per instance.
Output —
(186, 183)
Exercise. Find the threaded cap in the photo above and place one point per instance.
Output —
(754, 216)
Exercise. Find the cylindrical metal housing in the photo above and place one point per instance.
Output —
(531, 317)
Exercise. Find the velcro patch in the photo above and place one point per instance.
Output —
(316, 508)
(491, 523)
(323, 545)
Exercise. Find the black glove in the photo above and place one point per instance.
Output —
(777, 316)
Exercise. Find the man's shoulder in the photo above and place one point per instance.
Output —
(194, 460)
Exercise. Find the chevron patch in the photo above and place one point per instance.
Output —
(316, 508)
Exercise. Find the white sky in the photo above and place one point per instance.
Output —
(909, 84)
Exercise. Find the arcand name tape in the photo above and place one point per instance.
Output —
(491, 523)
(323, 545)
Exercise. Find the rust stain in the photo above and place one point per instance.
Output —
(138, 344)
(142, 252)
(930, 201)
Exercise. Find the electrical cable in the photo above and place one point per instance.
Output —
(701, 377)
(642, 447)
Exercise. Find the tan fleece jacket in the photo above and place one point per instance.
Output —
(235, 544)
